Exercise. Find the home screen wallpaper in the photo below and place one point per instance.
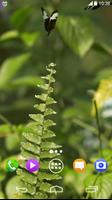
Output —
(55, 99)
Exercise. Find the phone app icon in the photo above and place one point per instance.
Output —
(12, 165)
(79, 165)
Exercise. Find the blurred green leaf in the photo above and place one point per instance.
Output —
(22, 104)
(102, 48)
(5, 130)
(106, 155)
(30, 38)
(2, 196)
(9, 35)
(77, 33)
(71, 177)
(102, 180)
(10, 67)
(11, 187)
(103, 74)
(27, 81)
(103, 93)
(2, 175)
(104, 183)
(20, 17)
(12, 142)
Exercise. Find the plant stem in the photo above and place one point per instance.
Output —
(6, 121)
(98, 127)
(83, 124)
(100, 141)
(88, 194)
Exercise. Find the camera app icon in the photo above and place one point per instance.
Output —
(101, 165)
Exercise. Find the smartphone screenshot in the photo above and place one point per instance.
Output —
(55, 99)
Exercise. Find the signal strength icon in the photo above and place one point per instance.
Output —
(93, 5)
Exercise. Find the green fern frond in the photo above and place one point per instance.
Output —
(36, 143)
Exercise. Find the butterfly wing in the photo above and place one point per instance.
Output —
(46, 19)
(53, 19)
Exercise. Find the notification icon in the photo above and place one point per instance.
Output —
(79, 165)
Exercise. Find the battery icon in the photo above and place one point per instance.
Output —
(91, 189)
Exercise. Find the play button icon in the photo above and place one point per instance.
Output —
(32, 165)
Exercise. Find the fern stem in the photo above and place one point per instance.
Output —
(98, 128)
(45, 107)
(49, 48)
(47, 95)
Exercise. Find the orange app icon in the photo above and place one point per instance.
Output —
(79, 165)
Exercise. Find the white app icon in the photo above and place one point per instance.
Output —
(56, 166)
(4, 3)
(56, 189)
(79, 165)
(91, 189)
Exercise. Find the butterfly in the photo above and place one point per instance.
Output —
(49, 21)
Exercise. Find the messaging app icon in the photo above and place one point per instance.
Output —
(79, 165)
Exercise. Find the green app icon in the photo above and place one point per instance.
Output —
(12, 165)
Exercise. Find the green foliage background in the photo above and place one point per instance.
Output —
(81, 47)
